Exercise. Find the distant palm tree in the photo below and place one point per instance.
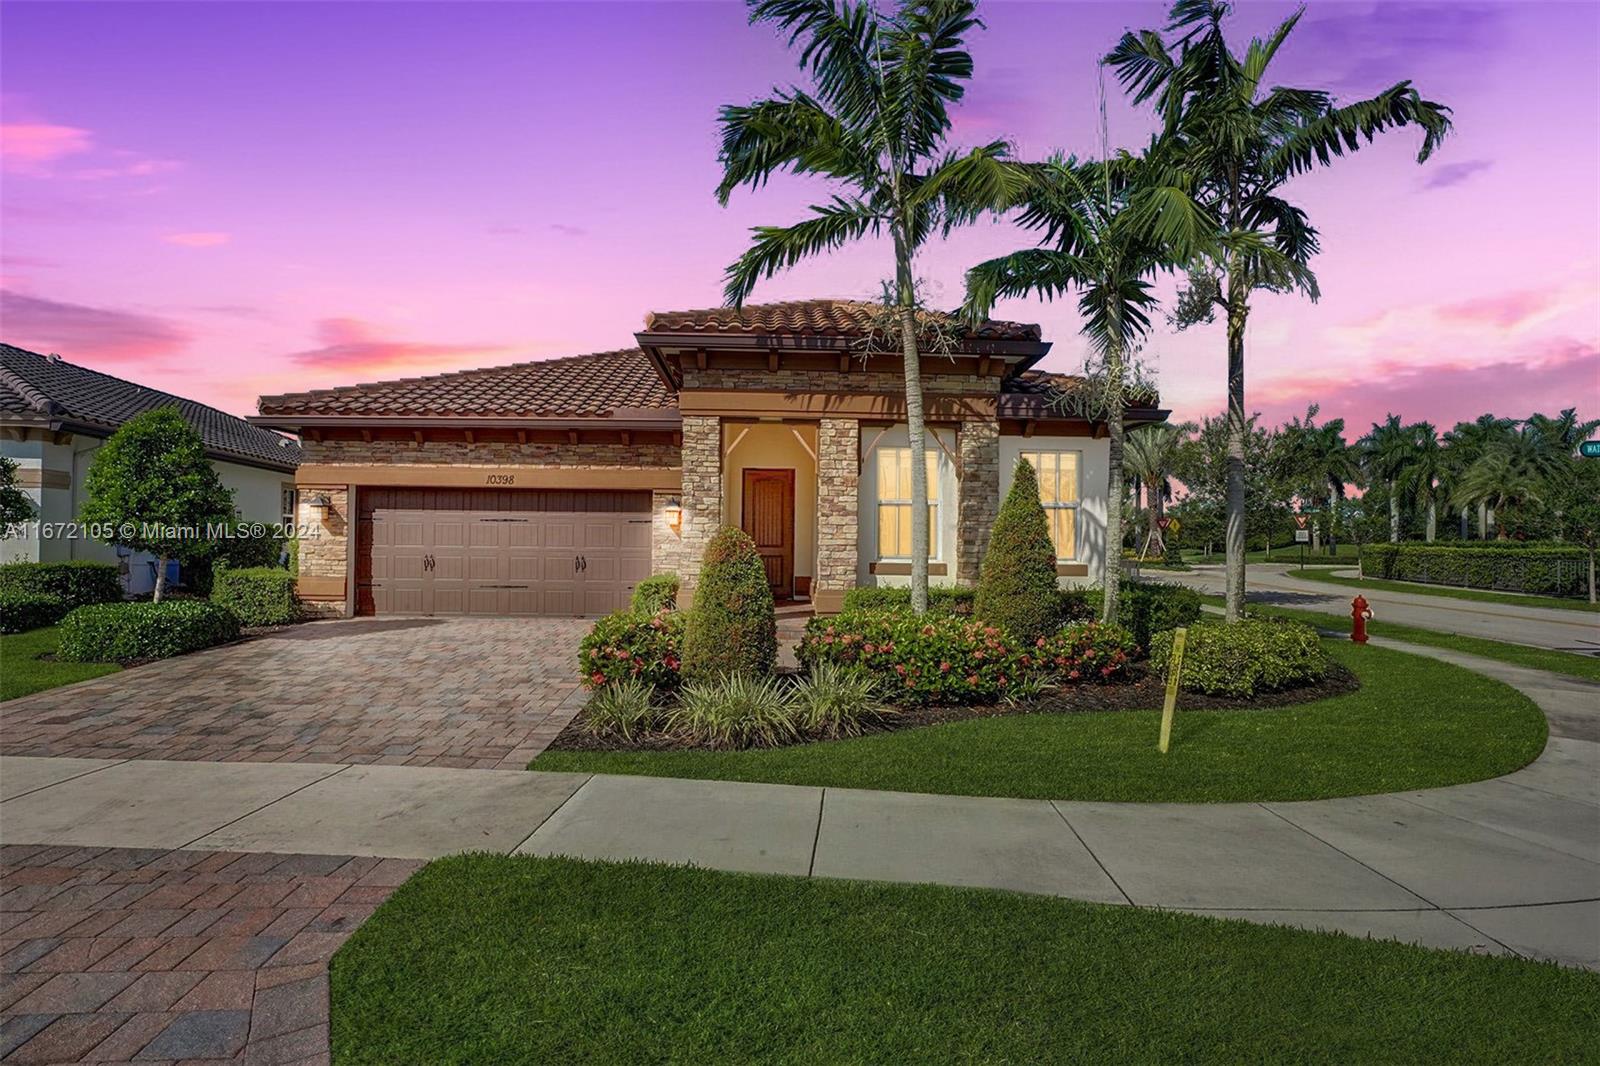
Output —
(1243, 143)
(1152, 457)
(1386, 451)
(1324, 462)
(1503, 479)
(1420, 477)
(876, 125)
(1107, 227)
(1464, 445)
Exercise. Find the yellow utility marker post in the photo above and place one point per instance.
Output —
(1174, 667)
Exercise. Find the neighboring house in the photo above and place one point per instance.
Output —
(54, 415)
(552, 487)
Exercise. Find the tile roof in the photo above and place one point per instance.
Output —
(42, 387)
(848, 318)
(1034, 392)
(595, 385)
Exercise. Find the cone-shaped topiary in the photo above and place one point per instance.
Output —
(1017, 589)
(733, 626)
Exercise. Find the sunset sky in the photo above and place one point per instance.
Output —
(228, 199)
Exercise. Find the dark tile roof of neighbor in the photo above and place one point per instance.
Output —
(843, 318)
(580, 385)
(39, 387)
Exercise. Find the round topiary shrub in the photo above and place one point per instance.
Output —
(733, 625)
(1244, 658)
(659, 592)
(1017, 589)
(631, 646)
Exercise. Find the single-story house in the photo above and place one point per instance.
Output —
(55, 414)
(552, 487)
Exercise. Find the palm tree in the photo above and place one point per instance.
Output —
(1106, 228)
(1423, 471)
(1385, 455)
(1242, 144)
(1504, 478)
(1324, 462)
(1152, 456)
(1465, 445)
(877, 126)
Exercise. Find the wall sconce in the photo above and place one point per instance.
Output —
(674, 514)
(320, 503)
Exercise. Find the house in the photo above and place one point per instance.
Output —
(552, 487)
(55, 414)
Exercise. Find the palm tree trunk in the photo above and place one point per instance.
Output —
(1158, 508)
(1111, 578)
(1333, 518)
(1233, 571)
(1394, 514)
(1464, 531)
(1483, 521)
(1433, 519)
(161, 578)
(916, 429)
(1591, 575)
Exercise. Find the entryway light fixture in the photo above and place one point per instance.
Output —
(320, 502)
(674, 512)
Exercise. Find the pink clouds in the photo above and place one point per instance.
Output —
(1506, 311)
(352, 345)
(204, 239)
(82, 333)
(29, 147)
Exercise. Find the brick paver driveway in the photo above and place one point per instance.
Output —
(475, 692)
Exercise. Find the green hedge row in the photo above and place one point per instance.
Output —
(1544, 569)
(134, 632)
(22, 611)
(74, 584)
(257, 595)
(1244, 658)
(1150, 607)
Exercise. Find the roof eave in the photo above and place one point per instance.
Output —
(1026, 352)
(637, 419)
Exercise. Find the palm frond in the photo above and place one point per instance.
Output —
(776, 247)
(791, 131)
(839, 47)
(965, 186)
(1345, 129)
(1030, 272)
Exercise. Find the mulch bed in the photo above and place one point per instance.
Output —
(1144, 692)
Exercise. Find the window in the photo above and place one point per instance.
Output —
(894, 503)
(286, 508)
(1058, 491)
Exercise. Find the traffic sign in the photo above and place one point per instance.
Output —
(1590, 449)
(1300, 520)
(1302, 536)
(1163, 521)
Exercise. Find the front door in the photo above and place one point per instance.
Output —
(769, 519)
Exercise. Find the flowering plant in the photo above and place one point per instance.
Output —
(1084, 652)
(932, 658)
(633, 646)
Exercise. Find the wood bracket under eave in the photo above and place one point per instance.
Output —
(773, 359)
(700, 358)
(572, 436)
(472, 436)
(314, 434)
(366, 436)
(983, 366)
(1098, 431)
(416, 435)
(522, 436)
(1027, 427)
(627, 437)
(844, 363)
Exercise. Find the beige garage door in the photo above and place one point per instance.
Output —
(499, 551)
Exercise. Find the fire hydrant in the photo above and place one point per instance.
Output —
(1359, 613)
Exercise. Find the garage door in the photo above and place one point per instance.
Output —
(499, 552)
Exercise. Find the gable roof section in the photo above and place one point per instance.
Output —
(1037, 394)
(603, 385)
(830, 318)
(49, 390)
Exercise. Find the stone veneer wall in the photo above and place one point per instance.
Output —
(838, 475)
(979, 504)
(702, 493)
(326, 555)
(832, 381)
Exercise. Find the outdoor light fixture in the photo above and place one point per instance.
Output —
(321, 504)
(674, 513)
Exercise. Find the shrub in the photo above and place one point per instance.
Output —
(948, 599)
(75, 584)
(1017, 590)
(1085, 652)
(1246, 657)
(130, 632)
(257, 595)
(1512, 566)
(1151, 607)
(837, 701)
(935, 658)
(625, 646)
(736, 711)
(733, 628)
(656, 593)
(22, 611)
(623, 708)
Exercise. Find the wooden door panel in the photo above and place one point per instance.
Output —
(768, 516)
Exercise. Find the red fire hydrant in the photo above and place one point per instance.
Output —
(1359, 613)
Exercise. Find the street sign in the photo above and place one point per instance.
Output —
(1163, 521)
(1590, 449)
(1302, 536)
(1300, 520)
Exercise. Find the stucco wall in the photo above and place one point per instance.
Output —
(1094, 459)
(867, 518)
(775, 447)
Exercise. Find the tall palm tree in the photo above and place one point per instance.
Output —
(1423, 471)
(1152, 457)
(1503, 479)
(1243, 143)
(1106, 228)
(1324, 462)
(877, 126)
(1385, 455)
(1465, 445)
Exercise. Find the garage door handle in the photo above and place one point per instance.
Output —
(576, 559)
(585, 561)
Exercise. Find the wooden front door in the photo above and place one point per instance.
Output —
(769, 519)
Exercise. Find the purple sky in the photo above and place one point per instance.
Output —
(224, 199)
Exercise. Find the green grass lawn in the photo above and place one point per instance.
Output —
(1326, 575)
(1559, 662)
(515, 959)
(22, 671)
(1415, 723)
(1347, 555)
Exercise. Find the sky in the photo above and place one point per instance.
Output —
(229, 199)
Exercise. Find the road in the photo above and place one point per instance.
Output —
(1540, 627)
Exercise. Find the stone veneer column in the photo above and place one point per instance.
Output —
(838, 474)
(979, 493)
(323, 559)
(702, 492)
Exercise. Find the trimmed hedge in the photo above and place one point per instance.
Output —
(1150, 607)
(631, 646)
(733, 627)
(1246, 657)
(658, 592)
(75, 583)
(22, 611)
(1506, 566)
(134, 632)
(257, 595)
(932, 658)
(1075, 605)
(1017, 588)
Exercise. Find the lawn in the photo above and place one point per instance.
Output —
(1347, 555)
(1415, 723)
(1559, 662)
(23, 672)
(1327, 576)
(515, 959)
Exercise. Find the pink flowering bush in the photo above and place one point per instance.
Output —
(1084, 652)
(935, 658)
(640, 647)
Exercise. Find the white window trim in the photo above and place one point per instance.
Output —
(288, 494)
(935, 507)
(1061, 505)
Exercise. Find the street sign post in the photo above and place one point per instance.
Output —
(1590, 449)
(1302, 537)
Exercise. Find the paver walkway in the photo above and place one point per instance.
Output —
(487, 693)
(122, 955)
